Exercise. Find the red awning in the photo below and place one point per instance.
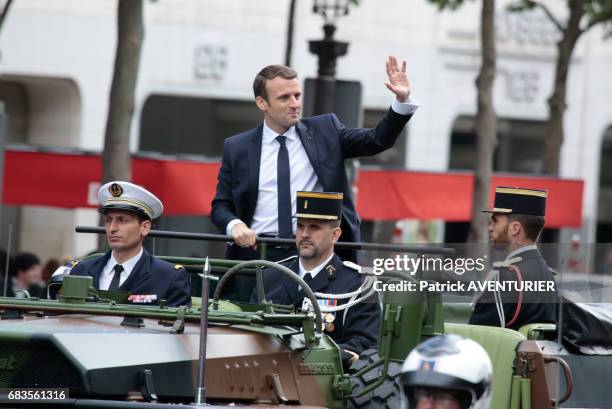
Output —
(187, 188)
(393, 195)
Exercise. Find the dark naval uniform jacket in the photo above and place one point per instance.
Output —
(355, 329)
(520, 307)
(149, 276)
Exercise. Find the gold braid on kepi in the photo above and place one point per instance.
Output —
(319, 205)
(119, 195)
(518, 200)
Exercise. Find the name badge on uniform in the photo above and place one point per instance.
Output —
(142, 298)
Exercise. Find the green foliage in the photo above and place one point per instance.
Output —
(520, 6)
(595, 11)
(600, 12)
(447, 4)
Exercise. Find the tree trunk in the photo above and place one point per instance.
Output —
(116, 160)
(556, 102)
(290, 27)
(486, 125)
(4, 12)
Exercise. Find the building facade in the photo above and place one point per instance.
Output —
(199, 58)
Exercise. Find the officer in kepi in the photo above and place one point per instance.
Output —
(350, 308)
(447, 372)
(128, 210)
(515, 224)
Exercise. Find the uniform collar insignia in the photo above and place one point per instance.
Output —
(331, 271)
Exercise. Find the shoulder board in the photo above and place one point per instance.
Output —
(352, 265)
(73, 263)
(286, 259)
(178, 266)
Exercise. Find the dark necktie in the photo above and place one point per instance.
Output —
(114, 284)
(307, 278)
(283, 180)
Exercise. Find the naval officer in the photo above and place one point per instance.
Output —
(128, 210)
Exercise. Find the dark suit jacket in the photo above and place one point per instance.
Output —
(149, 276)
(357, 330)
(327, 143)
(536, 307)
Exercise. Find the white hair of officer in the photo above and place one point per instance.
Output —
(449, 371)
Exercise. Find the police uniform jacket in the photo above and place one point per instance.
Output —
(149, 276)
(355, 329)
(519, 309)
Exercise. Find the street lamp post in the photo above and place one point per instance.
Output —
(328, 50)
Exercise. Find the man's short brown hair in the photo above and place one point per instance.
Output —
(268, 73)
(532, 225)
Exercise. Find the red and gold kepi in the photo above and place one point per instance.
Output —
(319, 205)
(518, 200)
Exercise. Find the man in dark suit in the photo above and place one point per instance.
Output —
(128, 211)
(353, 327)
(263, 168)
(516, 221)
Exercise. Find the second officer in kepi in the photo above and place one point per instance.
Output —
(516, 222)
(352, 322)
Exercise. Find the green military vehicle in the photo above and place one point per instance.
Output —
(88, 349)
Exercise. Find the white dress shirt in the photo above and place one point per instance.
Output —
(108, 271)
(302, 178)
(302, 174)
(315, 270)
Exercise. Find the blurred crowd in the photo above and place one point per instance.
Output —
(27, 276)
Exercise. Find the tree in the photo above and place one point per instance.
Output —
(4, 11)
(486, 120)
(290, 29)
(116, 160)
(583, 15)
